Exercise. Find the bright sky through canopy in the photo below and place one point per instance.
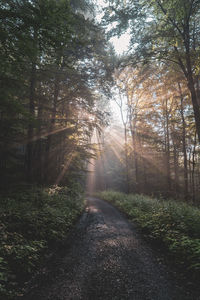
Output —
(121, 43)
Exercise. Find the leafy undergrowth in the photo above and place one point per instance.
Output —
(33, 223)
(174, 225)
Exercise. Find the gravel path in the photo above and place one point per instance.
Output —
(108, 260)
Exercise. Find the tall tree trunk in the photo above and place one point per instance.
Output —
(167, 147)
(193, 169)
(124, 121)
(194, 103)
(51, 128)
(197, 83)
(190, 171)
(191, 81)
(30, 144)
(31, 127)
(126, 158)
(39, 155)
(135, 154)
(184, 145)
(176, 167)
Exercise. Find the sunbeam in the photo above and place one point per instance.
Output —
(66, 166)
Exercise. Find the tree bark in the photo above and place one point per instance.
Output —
(135, 154)
(51, 128)
(190, 79)
(31, 127)
(167, 147)
(184, 145)
(194, 103)
(126, 158)
(39, 156)
(176, 167)
(193, 169)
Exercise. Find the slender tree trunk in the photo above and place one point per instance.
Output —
(126, 158)
(193, 169)
(135, 154)
(191, 83)
(124, 121)
(176, 167)
(195, 104)
(197, 83)
(145, 175)
(39, 157)
(167, 147)
(51, 128)
(184, 145)
(30, 144)
(190, 171)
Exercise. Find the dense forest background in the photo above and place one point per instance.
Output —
(59, 78)
(58, 72)
(55, 70)
(157, 91)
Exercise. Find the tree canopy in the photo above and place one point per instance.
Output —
(54, 59)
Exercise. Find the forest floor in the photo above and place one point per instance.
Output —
(106, 257)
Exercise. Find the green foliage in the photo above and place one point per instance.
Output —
(53, 58)
(176, 225)
(33, 223)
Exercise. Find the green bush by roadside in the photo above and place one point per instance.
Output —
(175, 225)
(32, 223)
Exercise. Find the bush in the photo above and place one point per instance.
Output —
(32, 223)
(176, 225)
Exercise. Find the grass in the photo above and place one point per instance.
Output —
(174, 225)
(33, 223)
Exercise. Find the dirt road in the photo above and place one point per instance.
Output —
(108, 260)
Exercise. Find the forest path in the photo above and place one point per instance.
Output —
(107, 259)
